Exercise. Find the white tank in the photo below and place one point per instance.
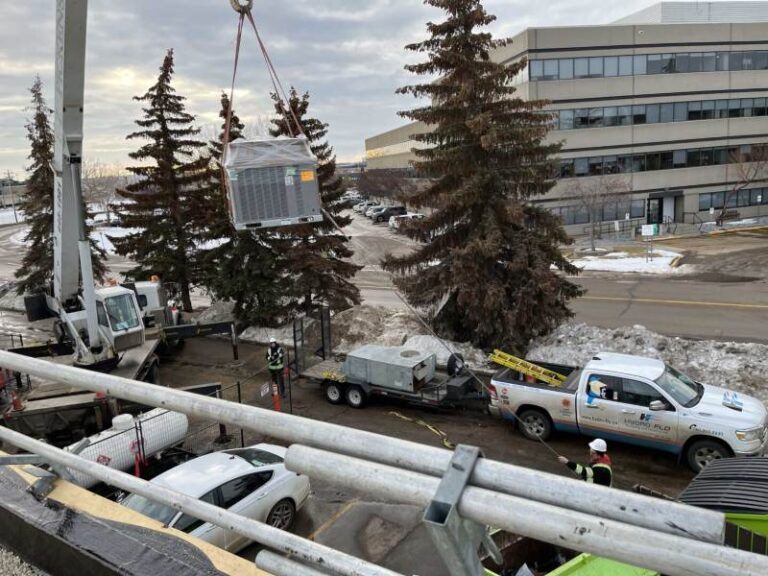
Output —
(118, 446)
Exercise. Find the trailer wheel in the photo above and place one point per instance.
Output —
(535, 424)
(355, 397)
(333, 393)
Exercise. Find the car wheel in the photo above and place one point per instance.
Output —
(333, 393)
(355, 397)
(702, 452)
(535, 424)
(282, 515)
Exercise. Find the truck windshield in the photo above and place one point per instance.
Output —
(121, 312)
(682, 388)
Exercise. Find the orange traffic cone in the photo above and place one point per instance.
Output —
(18, 405)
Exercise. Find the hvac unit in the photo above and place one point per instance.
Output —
(272, 183)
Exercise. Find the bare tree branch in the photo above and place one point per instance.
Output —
(593, 193)
(750, 167)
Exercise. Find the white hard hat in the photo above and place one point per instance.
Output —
(272, 340)
(599, 445)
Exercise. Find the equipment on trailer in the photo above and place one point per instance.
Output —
(528, 368)
(396, 372)
(272, 182)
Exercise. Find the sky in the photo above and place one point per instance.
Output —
(349, 55)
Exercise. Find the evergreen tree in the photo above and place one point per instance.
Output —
(162, 197)
(234, 266)
(36, 271)
(316, 256)
(488, 270)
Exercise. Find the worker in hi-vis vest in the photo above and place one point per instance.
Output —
(276, 364)
(599, 469)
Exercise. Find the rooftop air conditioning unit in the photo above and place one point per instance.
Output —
(272, 183)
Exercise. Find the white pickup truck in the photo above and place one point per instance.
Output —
(639, 401)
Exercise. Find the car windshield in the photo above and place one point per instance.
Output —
(159, 512)
(121, 312)
(257, 457)
(682, 388)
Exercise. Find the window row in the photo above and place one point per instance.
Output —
(733, 199)
(667, 160)
(641, 64)
(611, 210)
(607, 116)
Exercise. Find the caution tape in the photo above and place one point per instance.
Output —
(431, 427)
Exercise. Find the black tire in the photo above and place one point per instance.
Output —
(355, 397)
(379, 219)
(282, 515)
(334, 393)
(535, 424)
(702, 452)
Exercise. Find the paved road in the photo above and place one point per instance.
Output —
(674, 306)
(729, 311)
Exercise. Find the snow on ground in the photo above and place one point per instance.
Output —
(744, 223)
(100, 235)
(740, 366)
(660, 263)
(7, 216)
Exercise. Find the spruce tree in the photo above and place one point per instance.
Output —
(488, 271)
(316, 256)
(161, 199)
(36, 271)
(239, 267)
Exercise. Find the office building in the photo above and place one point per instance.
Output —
(670, 102)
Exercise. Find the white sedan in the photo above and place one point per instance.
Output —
(252, 482)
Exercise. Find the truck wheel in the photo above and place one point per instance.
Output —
(333, 393)
(535, 424)
(152, 376)
(355, 397)
(702, 452)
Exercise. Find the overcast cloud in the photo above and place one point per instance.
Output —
(347, 53)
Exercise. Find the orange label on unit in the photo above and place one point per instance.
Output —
(307, 175)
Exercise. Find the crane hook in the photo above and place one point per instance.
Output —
(241, 6)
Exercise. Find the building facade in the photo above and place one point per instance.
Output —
(665, 111)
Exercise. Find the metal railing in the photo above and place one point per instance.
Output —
(671, 538)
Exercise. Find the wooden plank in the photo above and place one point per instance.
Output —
(316, 372)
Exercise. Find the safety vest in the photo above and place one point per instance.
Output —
(587, 473)
(275, 359)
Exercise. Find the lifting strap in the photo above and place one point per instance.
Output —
(244, 10)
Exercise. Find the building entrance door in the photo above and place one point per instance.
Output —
(654, 211)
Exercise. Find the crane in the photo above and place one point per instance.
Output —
(100, 322)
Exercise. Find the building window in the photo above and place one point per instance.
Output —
(681, 112)
(625, 115)
(637, 208)
(679, 158)
(566, 119)
(550, 70)
(566, 68)
(581, 67)
(652, 114)
(673, 63)
(595, 117)
(610, 116)
(638, 114)
(666, 113)
(625, 65)
(581, 118)
(708, 110)
(596, 166)
(694, 111)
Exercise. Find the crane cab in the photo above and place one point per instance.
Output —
(119, 317)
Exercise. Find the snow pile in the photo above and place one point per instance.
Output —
(739, 366)
(661, 263)
(474, 357)
(7, 216)
(219, 311)
(9, 300)
(261, 335)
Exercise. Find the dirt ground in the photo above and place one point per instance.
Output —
(736, 256)
(332, 508)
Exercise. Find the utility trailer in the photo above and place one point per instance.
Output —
(393, 372)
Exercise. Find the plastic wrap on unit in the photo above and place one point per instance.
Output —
(272, 182)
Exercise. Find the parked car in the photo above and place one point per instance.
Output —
(369, 213)
(252, 482)
(394, 221)
(364, 206)
(388, 212)
(639, 401)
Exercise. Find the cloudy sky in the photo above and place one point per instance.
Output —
(347, 53)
